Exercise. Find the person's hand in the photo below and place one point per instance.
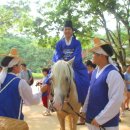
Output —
(94, 122)
(82, 118)
(83, 115)
(38, 84)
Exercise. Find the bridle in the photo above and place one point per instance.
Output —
(68, 93)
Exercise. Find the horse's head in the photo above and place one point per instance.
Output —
(62, 81)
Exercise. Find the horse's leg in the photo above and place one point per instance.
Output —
(70, 122)
(74, 120)
(62, 121)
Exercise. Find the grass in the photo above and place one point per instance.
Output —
(37, 75)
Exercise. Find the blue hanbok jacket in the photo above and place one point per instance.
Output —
(10, 99)
(67, 52)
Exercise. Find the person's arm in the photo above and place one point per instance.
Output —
(26, 94)
(115, 94)
(30, 75)
(126, 79)
(58, 52)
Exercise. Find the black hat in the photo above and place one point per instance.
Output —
(108, 49)
(68, 23)
(6, 60)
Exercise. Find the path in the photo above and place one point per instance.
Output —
(36, 121)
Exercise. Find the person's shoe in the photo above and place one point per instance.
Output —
(46, 114)
(127, 108)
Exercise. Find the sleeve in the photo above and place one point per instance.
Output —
(115, 94)
(77, 54)
(47, 80)
(26, 94)
(58, 55)
(84, 108)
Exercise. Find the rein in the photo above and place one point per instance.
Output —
(79, 115)
(68, 94)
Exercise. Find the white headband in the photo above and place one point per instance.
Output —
(13, 62)
(100, 51)
(3, 73)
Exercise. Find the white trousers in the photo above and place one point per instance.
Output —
(92, 127)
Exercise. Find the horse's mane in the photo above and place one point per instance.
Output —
(62, 67)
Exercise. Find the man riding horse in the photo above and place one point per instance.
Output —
(67, 48)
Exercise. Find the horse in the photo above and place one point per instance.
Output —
(65, 100)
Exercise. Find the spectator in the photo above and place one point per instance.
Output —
(90, 67)
(127, 81)
(46, 92)
(26, 74)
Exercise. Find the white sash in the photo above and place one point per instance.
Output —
(8, 84)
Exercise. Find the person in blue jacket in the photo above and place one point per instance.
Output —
(14, 90)
(105, 94)
(67, 48)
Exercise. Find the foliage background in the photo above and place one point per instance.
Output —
(35, 35)
(33, 55)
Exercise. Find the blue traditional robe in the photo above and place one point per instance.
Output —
(67, 52)
(10, 100)
(98, 97)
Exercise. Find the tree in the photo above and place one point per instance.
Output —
(88, 16)
(54, 18)
(15, 17)
(33, 55)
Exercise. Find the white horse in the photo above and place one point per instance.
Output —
(65, 94)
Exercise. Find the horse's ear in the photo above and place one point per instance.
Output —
(70, 62)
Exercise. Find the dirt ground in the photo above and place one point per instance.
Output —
(36, 121)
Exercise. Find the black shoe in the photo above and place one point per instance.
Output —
(127, 108)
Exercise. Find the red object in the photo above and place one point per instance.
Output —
(46, 98)
(45, 101)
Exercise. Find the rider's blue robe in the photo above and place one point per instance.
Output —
(67, 52)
